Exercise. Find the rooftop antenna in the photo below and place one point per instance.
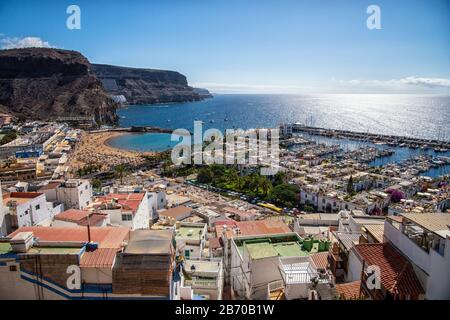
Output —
(88, 228)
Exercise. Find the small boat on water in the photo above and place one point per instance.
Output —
(211, 121)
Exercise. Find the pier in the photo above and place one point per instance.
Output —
(391, 140)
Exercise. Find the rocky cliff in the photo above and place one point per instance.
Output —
(146, 86)
(42, 83)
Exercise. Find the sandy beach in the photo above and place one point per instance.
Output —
(94, 149)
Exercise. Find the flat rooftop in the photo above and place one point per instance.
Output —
(202, 266)
(189, 232)
(266, 249)
(5, 248)
(54, 250)
(289, 245)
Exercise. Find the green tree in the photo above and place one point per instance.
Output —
(10, 136)
(120, 171)
(350, 186)
(240, 182)
(285, 195)
(254, 183)
(205, 175)
(266, 185)
(96, 184)
(279, 178)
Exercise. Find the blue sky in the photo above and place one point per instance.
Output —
(310, 46)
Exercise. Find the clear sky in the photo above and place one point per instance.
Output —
(304, 46)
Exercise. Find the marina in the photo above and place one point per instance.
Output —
(379, 139)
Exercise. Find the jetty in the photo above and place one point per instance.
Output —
(391, 140)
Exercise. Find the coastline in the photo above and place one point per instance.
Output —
(94, 149)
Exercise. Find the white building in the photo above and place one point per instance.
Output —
(309, 195)
(204, 278)
(191, 239)
(285, 129)
(129, 210)
(424, 238)
(3, 230)
(272, 265)
(156, 201)
(75, 193)
(26, 209)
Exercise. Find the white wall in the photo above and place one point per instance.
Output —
(12, 287)
(354, 267)
(141, 219)
(436, 266)
(33, 212)
(3, 230)
(115, 216)
(76, 197)
(96, 275)
(416, 254)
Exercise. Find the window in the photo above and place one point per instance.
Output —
(127, 217)
(13, 268)
(37, 207)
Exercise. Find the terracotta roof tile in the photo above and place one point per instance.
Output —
(397, 274)
(99, 258)
(250, 228)
(176, 212)
(214, 243)
(128, 201)
(80, 217)
(106, 237)
(349, 291)
(72, 215)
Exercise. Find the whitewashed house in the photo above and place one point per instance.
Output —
(26, 209)
(75, 193)
(129, 210)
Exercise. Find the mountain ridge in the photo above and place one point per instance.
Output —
(47, 83)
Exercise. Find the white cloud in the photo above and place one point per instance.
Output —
(428, 82)
(407, 85)
(26, 42)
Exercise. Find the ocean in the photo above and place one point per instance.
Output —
(409, 115)
(405, 115)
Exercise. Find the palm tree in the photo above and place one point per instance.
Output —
(231, 175)
(240, 182)
(255, 183)
(265, 185)
(120, 170)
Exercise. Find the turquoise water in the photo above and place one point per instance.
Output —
(143, 142)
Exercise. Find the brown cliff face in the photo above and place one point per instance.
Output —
(43, 83)
(147, 86)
